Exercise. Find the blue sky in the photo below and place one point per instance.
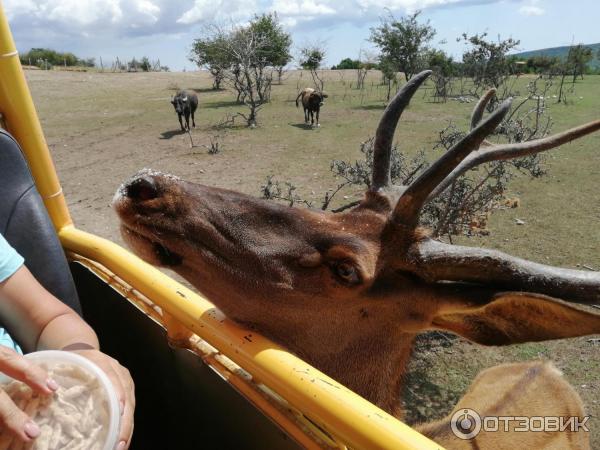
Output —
(164, 29)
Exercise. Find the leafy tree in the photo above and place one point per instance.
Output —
(403, 42)
(45, 57)
(443, 69)
(577, 60)
(145, 64)
(543, 64)
(389, 72)
(209, 52)
(487, 62)
(347, 63)
(311, 58)
(275, 50)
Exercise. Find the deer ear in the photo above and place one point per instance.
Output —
(514, 317)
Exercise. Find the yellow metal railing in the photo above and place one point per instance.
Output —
(349, 419)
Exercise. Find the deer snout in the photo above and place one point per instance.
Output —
(142, 188)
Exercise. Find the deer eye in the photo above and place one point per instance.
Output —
(346, 272)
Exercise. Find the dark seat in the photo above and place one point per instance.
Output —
(25, 224)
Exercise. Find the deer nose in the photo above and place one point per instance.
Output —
(142, 188)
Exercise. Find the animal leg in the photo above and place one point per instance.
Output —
(193, 121)
(180, 122)
(187, 121)
(318, 124)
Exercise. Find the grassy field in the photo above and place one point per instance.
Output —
(103, 127)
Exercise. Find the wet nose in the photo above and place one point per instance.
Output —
(142, 188)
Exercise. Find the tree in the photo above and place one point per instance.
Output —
(244, 58)
(443, 70)
(577, 60)
(275, 51)
(45, 57)
(487, 63)
(145, 64)
(209, 52)
(389, 72)
(311, 58)
(402, 42)
(347, 63)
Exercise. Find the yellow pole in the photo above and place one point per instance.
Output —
(22, 122)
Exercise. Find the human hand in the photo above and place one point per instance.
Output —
(14, 422)
(121, 380)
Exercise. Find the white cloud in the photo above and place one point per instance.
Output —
(295, 12)
(531, 9)
(81, 17)
(218, 10)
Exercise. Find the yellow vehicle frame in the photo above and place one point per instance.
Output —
(316, 412)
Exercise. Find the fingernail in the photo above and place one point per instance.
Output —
(32, 430)
(52, 385)
(121, 445)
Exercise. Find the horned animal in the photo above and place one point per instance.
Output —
(311, 102)
(185, 104)
(349, 292)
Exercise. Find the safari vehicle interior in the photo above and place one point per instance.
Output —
(201, 380)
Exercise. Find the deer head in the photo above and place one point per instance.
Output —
(349, 291)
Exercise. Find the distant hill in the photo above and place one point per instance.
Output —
(562, 53)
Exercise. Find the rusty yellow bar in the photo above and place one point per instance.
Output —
(350, 418)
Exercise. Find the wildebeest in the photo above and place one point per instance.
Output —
(311, 102)
(185, 104)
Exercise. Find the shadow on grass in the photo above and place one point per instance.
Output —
(205, 90)
(171, 133)
(302, 126)
(370, 107)
(220, 104)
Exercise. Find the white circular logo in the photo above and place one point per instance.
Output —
(465, 424)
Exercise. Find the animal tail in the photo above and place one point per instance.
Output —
(299, 95)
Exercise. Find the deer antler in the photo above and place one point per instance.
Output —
(515, 150)
(480, 107)
(437, 261)
(412, 200)
(387, 126)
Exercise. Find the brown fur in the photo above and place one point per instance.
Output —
(311, 103)
(339, 290)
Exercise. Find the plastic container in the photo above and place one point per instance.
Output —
(50, 358)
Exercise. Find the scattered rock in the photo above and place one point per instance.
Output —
(519, 222)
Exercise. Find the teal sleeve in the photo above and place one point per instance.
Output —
(10, 260)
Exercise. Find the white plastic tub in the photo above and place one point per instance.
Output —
(51, 358)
